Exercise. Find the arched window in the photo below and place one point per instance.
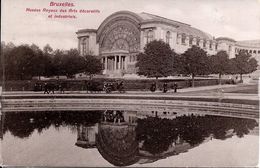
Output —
(85, 46)
(229, 48)
(183, 38)
(198, 42)
(204, 43)
(168, 36)
(149, 36)
(190, 41)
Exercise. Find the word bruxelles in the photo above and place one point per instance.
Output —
(61, 4)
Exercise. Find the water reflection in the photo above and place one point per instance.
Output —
(125, 137)
(22, 124)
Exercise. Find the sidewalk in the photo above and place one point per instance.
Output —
(203, 92)
(203, 88)
(184, 90)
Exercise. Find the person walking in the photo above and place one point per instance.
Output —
(175, 86)
(61, 89)
(165, 87)
(153, 87)
(46, 88)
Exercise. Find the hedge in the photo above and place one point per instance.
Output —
(129, 84)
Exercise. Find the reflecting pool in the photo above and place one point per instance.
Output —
(127, 138)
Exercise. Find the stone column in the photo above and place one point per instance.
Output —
(207, 44)
(187, 40)
(194, 41)
(125, 62)
(213, 46)
(106, 66)
(119, 67)
(179, 39)
(201, 43)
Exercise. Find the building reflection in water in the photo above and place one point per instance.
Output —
(124, 138)
(86, 136)
(114, 137)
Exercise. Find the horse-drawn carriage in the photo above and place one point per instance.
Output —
(116, 86)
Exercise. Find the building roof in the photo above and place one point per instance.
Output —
(249, 43)
(225, 38)
(86, 31)
(181, 27)
(142, 18)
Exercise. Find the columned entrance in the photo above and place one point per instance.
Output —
(114, 63)
(119, 39)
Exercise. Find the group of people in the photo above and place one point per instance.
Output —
(113, 116)
(51, 87)
(165, 87)
(109, 87)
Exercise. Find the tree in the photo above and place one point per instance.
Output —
(195, 62)
(58, 63)
(39, 61)
(219, 64)
(5, 50)
(243, 63)
(156, 60)
(47, 49)
(92, 65)
(73, 63)
(19, 62)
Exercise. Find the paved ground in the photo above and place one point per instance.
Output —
(216, 91)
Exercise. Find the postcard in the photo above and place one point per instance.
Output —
(138, 83)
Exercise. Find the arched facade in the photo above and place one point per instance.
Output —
(124, 34)
(119, 39)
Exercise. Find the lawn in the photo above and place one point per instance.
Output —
(247, 89)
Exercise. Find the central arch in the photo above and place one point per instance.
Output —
(119, 40)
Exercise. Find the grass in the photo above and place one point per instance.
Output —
(248, 89)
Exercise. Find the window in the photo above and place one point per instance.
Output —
(149, 36)
(168, 36)
(210, 45)
(198, 42)
(229, 48)
(254, 52)
(190, 41)
(183, 38)
(204, 43)
(216, 46)
(258, 51)
(250, 51)
(85, 46)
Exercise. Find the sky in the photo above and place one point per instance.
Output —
(237, 19)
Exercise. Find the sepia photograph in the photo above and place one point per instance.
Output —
(129, 83)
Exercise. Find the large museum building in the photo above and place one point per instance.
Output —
(122, 35)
